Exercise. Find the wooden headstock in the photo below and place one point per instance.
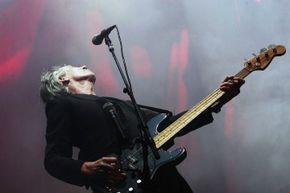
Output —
(266, 55)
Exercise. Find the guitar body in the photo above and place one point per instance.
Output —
(131, 161)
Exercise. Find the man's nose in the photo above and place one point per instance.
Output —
(84, 67)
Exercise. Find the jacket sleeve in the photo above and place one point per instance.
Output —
(58, 152)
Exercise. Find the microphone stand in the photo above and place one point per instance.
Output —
(147, 139)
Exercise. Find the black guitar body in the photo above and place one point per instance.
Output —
(131, 161)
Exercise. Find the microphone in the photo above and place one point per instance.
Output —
(98, 38)
(110, 108)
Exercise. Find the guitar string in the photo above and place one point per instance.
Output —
(242, 74)
(185, 119)
(163, 135)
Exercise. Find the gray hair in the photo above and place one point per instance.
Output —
(51, 86)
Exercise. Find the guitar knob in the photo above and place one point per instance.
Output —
(263, 50)
(271, 46)
(131, 189)
(139, 181)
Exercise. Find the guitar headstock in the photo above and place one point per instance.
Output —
(266, 55)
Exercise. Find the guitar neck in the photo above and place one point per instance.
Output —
(191, 114)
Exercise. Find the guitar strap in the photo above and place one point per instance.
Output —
(158, 110)
(120, 116)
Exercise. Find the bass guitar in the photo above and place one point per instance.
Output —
(131, 160)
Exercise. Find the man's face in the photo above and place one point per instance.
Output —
(79, 73)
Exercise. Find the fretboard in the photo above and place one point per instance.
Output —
(191, 114)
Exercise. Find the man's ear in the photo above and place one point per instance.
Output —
(64, 80)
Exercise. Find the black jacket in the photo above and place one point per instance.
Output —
(78, 120)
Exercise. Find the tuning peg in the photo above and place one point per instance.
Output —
(267, 55)
(263, 50)
(247, 63)
(272, 46)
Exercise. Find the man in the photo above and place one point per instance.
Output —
(76, 117)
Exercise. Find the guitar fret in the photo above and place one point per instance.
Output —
(243, 73)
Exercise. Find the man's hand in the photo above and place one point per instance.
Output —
(105, 167)
(231, 86)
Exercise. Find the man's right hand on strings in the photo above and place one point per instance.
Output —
(105, 167)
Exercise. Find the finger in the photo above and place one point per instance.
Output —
(228, 78)
(105, 166)
(226, 86)
(237, 84)
(113, 161)
(228, 83)
(238, 79)
(113, 164)
(109, 159)
(241, 82)
(123, 174)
